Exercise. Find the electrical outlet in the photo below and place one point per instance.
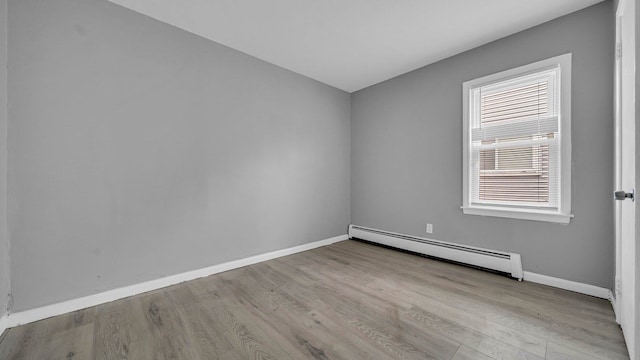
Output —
(429, 228)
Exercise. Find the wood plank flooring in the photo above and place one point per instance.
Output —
(350, 300)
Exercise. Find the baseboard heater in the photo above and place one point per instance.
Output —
(504, 262)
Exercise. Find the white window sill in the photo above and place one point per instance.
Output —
(518, 214)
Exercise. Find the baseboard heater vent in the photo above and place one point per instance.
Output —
(508, 263)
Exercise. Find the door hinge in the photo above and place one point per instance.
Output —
(618, 285)
(9, 302)
(618, 51)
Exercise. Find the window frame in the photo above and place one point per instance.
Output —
(563, 213)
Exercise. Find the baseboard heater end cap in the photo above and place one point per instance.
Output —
(516, 266)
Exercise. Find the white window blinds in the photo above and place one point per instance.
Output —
(515, 142)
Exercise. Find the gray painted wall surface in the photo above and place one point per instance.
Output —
(4, 241)
(138, 151)
(407, 151)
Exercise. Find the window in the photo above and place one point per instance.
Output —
(517, 142)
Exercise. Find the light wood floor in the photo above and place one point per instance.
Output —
(350, 300)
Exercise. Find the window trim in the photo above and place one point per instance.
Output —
(563, 213)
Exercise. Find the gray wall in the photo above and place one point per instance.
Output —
(4, 241)
(138, 151)
(407, 151)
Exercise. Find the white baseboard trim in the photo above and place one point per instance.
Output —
(612, 300)
(28, 316)
(581, 288)
(4, 324)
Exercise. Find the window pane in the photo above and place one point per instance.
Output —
(517, 174)
(527, 101)
(515, 127)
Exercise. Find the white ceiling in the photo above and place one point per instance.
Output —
(352, 44)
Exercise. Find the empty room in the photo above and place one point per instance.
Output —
(338, 179)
